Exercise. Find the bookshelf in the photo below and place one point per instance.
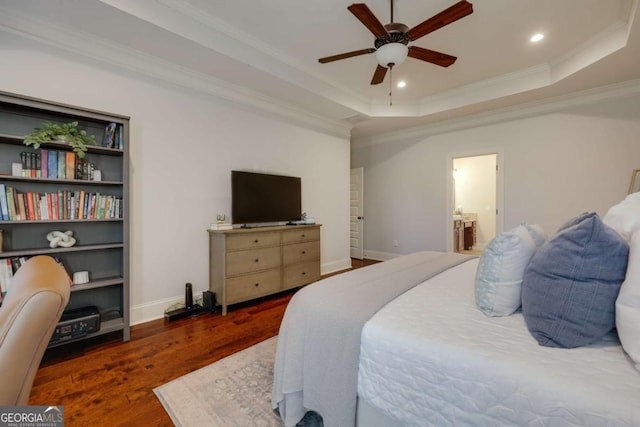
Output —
(96, 211)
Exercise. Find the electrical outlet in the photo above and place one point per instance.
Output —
(395, 243)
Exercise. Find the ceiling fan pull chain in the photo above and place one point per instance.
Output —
(390, 84)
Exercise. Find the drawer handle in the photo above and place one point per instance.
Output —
(303, 236)
(257, 284)
(304, 252)
(255, 241)
(304, 273)
(257, 260)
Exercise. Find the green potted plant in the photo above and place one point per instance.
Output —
(66, 133)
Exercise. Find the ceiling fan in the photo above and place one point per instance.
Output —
(391, 40)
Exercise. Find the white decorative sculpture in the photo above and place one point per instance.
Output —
(62, 239)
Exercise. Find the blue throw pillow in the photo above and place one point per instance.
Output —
(570, 286)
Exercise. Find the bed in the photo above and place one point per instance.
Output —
(427, 356)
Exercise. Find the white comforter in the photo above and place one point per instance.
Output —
(431, 358)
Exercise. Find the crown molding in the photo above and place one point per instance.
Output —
(526, 110)
(82, 44)
(183, 19)
(221, 37)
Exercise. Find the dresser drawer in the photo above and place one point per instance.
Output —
(309, 251)
(301, 273)
(301, 235)
(243, 288)
(253, 240)
(241, 262)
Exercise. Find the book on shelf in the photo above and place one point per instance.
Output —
(6, 275)
(120, 137)
(38, 160)
(62, 165)
(25, 159)
(70, 164)
(11, 201)
(52, 164)
(56, 164)
(44, 163)
(21, 207)
(4, 205)
(61, 204)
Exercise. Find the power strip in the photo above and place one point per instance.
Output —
(181, 313)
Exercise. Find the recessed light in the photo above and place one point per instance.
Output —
(536, 37)
(402, 84)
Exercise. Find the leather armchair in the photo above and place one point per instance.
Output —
(29, 314)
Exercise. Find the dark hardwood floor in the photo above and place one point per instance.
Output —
(105, 381)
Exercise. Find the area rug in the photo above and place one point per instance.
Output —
(234, 391)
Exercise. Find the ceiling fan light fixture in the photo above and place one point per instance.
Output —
(392, 53)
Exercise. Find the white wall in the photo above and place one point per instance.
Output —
(183, 147)
(555, 166)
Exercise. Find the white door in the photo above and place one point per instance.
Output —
(356, 213)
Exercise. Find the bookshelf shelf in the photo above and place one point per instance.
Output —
(34, 180)
(54, 251)
(102, 233)
(17, 140)
(106, 327)
(97, 284)
(63, 221)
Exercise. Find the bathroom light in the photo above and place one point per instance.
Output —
(402, 84)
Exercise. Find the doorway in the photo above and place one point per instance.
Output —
(474, 200)
(356, 213)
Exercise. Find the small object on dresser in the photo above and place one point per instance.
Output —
(97, 175)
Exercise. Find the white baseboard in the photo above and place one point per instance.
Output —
(155, 309)
(380, 256)
(332, 267)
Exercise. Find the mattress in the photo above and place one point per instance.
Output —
(430, 357)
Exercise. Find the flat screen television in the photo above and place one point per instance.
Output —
(264, 198)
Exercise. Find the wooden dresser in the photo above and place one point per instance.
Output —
(248, 263)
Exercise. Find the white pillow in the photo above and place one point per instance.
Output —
(537, 233)
(625, 216)
(498, 285)
(628, 304)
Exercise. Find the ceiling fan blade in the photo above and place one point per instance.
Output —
(446, 17)
(364, 15)
(378, 75)
(346, 55)
(431, 56)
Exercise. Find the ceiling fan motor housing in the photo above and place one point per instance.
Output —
(397, 33)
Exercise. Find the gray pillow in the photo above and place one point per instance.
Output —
(570, 286)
